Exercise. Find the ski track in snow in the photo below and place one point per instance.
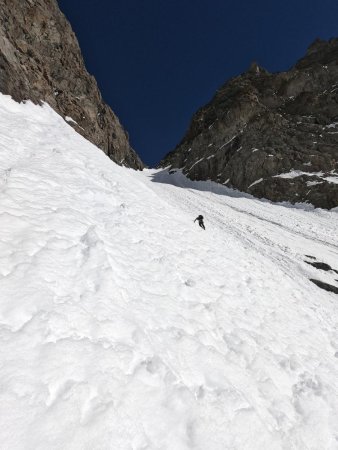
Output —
(124, 326)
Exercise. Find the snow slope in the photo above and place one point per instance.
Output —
(124, 326)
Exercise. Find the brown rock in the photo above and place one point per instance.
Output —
(260, 125)
(40, 60)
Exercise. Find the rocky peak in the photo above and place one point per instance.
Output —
(40, 60)
(271, 135)
(316, 46)
(255, 69)
(320, 52)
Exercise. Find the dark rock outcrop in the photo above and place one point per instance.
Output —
(40, 60)
(326, 286)
(321, 266)
(271, 135)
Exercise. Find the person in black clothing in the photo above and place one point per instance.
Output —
(200, 221)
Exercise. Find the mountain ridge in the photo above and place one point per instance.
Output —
(261, 125)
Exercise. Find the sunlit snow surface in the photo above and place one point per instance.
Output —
(125, 326)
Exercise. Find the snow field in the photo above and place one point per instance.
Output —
(123, 325)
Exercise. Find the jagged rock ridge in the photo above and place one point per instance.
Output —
(40, 60)
(271, 135)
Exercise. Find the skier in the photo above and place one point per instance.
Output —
(200, 221)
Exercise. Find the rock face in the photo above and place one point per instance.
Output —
(40, 60)
(271, 135)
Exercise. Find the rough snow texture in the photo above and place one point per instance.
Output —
(124, 325)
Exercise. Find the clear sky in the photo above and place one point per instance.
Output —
(156, 62)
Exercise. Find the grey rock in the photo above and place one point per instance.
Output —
(40, 60)
(326, 286)
(320, 265)
(261, 125)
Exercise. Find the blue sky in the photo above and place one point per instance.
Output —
(156, 62)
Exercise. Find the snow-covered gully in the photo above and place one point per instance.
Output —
(125, 326)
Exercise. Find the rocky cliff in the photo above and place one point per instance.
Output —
(40, 60)
(271, 135)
